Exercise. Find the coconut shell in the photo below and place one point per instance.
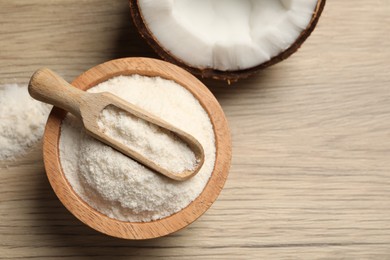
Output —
(229, 76)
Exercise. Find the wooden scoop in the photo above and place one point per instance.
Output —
(48, 87)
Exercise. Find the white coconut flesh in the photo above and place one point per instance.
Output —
(226, 35)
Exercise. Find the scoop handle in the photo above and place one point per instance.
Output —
(46, 86)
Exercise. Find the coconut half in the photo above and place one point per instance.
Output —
(229, 39)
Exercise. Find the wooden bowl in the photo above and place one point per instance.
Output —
(137, 230)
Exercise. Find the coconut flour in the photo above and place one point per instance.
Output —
(149, 140)
(118, 186)
(22, 121)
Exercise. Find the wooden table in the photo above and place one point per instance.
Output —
(310, 177)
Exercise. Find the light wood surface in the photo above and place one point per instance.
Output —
(47, 86)
(310, 176)
(158, 228)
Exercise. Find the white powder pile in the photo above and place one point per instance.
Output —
(151, 141)
(22, 121)
(116, 185)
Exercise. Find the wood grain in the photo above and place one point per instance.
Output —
(310, 176)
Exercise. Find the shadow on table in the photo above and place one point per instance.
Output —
(129, 42)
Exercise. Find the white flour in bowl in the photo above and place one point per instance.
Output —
(119, 187)
(22, 121)
(148, 140)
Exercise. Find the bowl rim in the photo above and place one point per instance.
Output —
(139, 230)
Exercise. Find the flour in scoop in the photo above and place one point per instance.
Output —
(151, 141)
(22, 121)
(120, 187)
